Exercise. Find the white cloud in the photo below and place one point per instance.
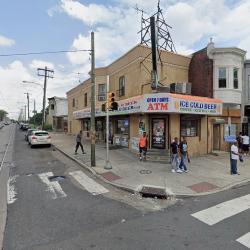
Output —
(41, 64)
(12, 90)
(91, 14)
(193, 22)
(6, 42)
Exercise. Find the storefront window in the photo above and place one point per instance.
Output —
(123, 126)
(86, 125)
(189, 126)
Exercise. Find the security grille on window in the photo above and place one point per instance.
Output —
(236, 82)
(189, 126)
(85, 100)
(101, 92)
(222, 77)
(122, 86)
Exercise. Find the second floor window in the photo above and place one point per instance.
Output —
(222, 77)
(122, 86)
(85, 100)
(236, 81)
(52, 107)
(102, 92)
(73, 102)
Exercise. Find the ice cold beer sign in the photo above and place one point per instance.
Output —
(196, 107)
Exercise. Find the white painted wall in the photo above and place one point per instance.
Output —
(61, 107)
(229, 61)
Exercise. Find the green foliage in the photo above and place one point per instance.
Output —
(37, 119)
(48, 127)
(3, 113)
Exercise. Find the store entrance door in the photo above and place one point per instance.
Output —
(158, 133)
(216, 137)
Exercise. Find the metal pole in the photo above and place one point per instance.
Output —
(108, 165)
(24, 113)
(44, 97)
(93, 98)
(28, 99)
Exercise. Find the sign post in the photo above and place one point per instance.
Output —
(108, 165)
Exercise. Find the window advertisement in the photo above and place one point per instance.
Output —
(158, 133)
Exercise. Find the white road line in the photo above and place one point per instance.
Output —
(89, 184)
(245, 240)
(52, 186)
(223, 210)
(11, 190)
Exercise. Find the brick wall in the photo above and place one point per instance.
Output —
(201, 74)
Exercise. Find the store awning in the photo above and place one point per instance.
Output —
(161, 103)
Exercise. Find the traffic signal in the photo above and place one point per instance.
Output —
(112, 104)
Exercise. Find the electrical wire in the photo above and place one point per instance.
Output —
(46, 52)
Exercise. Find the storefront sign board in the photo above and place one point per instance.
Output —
(161, 103)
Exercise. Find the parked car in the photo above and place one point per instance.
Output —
(40, 137)
(25, 127)
(28, 133)
(1, 125)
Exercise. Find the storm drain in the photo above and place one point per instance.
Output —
(57, 178)
(153, 192)
(145, 171)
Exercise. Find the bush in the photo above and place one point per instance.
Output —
(48, 127)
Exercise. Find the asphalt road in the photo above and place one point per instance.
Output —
(65, 215)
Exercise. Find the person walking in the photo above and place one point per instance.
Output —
(143, 145)
(79, 142)
(245, 139)
(175, 156)
(234, 153)
(240, 142)
(183, 148)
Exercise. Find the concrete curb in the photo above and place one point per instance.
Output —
(170, 194)
(92, 171)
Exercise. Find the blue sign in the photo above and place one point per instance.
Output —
(230, 138)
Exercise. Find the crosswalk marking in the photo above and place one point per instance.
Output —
(245, 240)
(223, 210)
(52, 186)
(89, 184)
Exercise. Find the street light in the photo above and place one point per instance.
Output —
(36, 83)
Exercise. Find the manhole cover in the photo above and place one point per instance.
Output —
(57, 178)
(158, 192)
(145, 171)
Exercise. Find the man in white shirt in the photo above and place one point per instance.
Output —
(234, 158)
(245, 139)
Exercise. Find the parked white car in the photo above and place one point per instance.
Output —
(40, 137)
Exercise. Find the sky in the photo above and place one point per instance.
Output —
(53, 25)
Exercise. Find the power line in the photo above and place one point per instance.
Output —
(45, 52)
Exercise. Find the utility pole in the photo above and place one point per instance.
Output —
(46, 73)
(93, 98)
(34, 112)
(28, 101)
(24, 113)
(108, 165)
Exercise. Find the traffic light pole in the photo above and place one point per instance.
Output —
(108, 165)
(93, 98)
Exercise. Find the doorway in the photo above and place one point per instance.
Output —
(158, 133)
(216, 137)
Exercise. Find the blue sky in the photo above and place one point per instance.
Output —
(45, 25)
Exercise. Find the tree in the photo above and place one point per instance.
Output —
(37, 118)
(3, 114)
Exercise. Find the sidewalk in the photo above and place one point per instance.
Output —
(207, 174)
